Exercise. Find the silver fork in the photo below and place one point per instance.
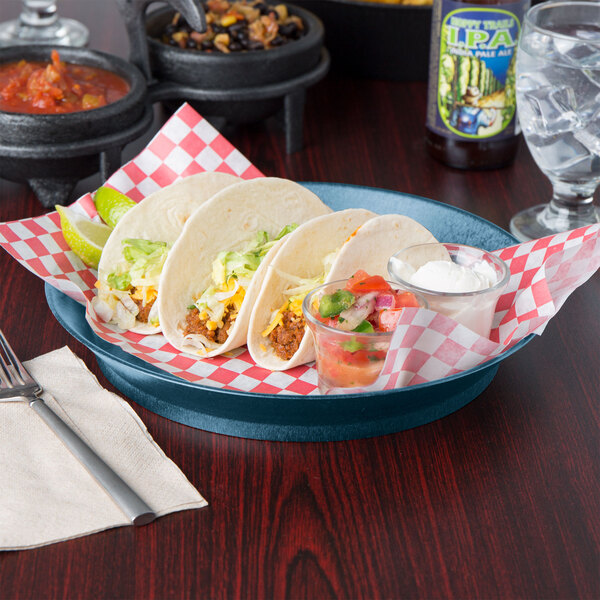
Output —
(15, 382)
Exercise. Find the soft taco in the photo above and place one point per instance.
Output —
(319, 252)
(214, 271)
(134, 254)
(276, 332)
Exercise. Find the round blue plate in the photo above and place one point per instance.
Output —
(305, 418)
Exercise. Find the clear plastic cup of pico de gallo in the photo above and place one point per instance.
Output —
(352, 322)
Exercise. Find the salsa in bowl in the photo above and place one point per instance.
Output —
(28, 114)
(57, 87)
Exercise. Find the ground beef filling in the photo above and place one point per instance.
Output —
(144, 309)
(194, 325)
(286, 337)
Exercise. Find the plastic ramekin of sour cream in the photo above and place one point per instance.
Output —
(459, 281)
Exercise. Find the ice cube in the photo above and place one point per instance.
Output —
(564, 45)
(589, 135)
(560, 156)
(532, 80)
(548, 110)
(590, 33)
(537, 44)
(583, 56)
(589, 107)
(593, 75)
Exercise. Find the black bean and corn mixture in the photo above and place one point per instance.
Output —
(236, 27)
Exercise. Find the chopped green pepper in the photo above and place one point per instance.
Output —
(352, 345)
(364, 327)
(333, 304)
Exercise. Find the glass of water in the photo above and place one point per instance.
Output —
(558, 102)
(39, 23)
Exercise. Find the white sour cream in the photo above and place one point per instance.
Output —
(447, 276)
(467, 294)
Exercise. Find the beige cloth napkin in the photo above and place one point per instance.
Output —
(46, 495)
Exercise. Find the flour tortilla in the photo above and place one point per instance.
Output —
(227, 222)
(374, 243)
(301, 255)
(160, 217)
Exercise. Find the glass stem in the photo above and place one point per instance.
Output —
(572, 196)
(571, 206)
(38, 13)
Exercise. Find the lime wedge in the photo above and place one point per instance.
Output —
(111, 205)
(85, 237)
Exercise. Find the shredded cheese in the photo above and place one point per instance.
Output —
(145, 293)
(353, 233)
(276, 321)
(294, 304)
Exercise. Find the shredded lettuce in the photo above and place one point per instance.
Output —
(232, 270)
(119, 282)
(297, 292)
(235, 264)
(243, 264)
(287, 229)
(135, 249)
(136, 276)
(147, 260)
(144, 260)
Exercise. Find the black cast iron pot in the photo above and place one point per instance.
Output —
(239, 87)
(29, 129)
(52, 152)
(237, 69)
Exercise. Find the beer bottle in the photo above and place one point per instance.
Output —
(471, 103)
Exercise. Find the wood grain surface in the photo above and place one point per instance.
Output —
(498, 500)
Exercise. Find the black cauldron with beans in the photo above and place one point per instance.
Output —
(245, 44)
(248, 61)
(236, 27)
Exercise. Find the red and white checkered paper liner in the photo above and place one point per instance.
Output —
(426, 346)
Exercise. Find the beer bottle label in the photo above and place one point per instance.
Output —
(471, 92)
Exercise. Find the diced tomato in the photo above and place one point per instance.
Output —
(334, 351)
(373, 283)
(388, 319)
(357, 277)
(346, 375)
(350, 369)
(330, 321)
(363, 357)
(406, 300)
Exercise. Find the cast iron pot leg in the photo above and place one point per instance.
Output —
(110, 161)
(293, 106)
(52, 191)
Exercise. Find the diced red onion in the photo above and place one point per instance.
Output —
(384, 300)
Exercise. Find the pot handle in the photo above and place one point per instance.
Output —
(133, 13)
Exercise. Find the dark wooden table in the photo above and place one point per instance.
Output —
(498, 500)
